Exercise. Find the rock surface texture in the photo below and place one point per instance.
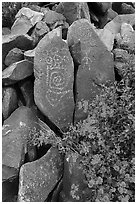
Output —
(53, 88)
(95, 64)
(38, 178)
(68, 101)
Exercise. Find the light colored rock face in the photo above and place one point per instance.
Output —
(16, 137)
(25, 19)
(95, 64)
(54, 75)
(17, 71)
(38, 178)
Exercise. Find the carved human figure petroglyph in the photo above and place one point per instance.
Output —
(57, 77)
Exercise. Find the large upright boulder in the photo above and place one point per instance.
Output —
(53, 87)
(95, 64)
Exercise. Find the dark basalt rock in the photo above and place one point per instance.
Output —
(14, 55)
(17, 137)
(17, 71)
(38, 178)
(23, 42)
(73, 11)
(39, 31)
(27, 89)
(96, 64)
(75, 188)
(9, 101)
(52, 17)
(53, 87)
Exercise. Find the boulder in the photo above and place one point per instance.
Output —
(127, 9)
(75, 189)
(107, 37)
(112, 28)
(37, 179)
(73, 11)
(54, 76)
(17, 137)
(14, 55)
(115, 25)
(128, 37)
(23, 42)
(9, 101)
(17, 71)
(95, 64)
(39, 31)
(25, 19)
(9, 184)
(52, 17)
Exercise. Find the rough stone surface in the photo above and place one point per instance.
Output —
(27, 89)
(73, 11)
(14, 55)
(107, 35)
(127, 9)
(17, 71)
(17, 136)
(9, 101)
(128, 37)
(74, 187)
(39, 31)
(96, 64)
(115, 25)
(25, 19)
(52, 17)
(38, 178)
(54, 70)
(23, 42)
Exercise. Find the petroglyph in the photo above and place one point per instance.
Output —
(55, 97)
(53, 90)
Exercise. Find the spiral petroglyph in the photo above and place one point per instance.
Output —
(54, 88)
(57, 76)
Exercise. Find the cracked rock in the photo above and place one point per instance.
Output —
(95, 64)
